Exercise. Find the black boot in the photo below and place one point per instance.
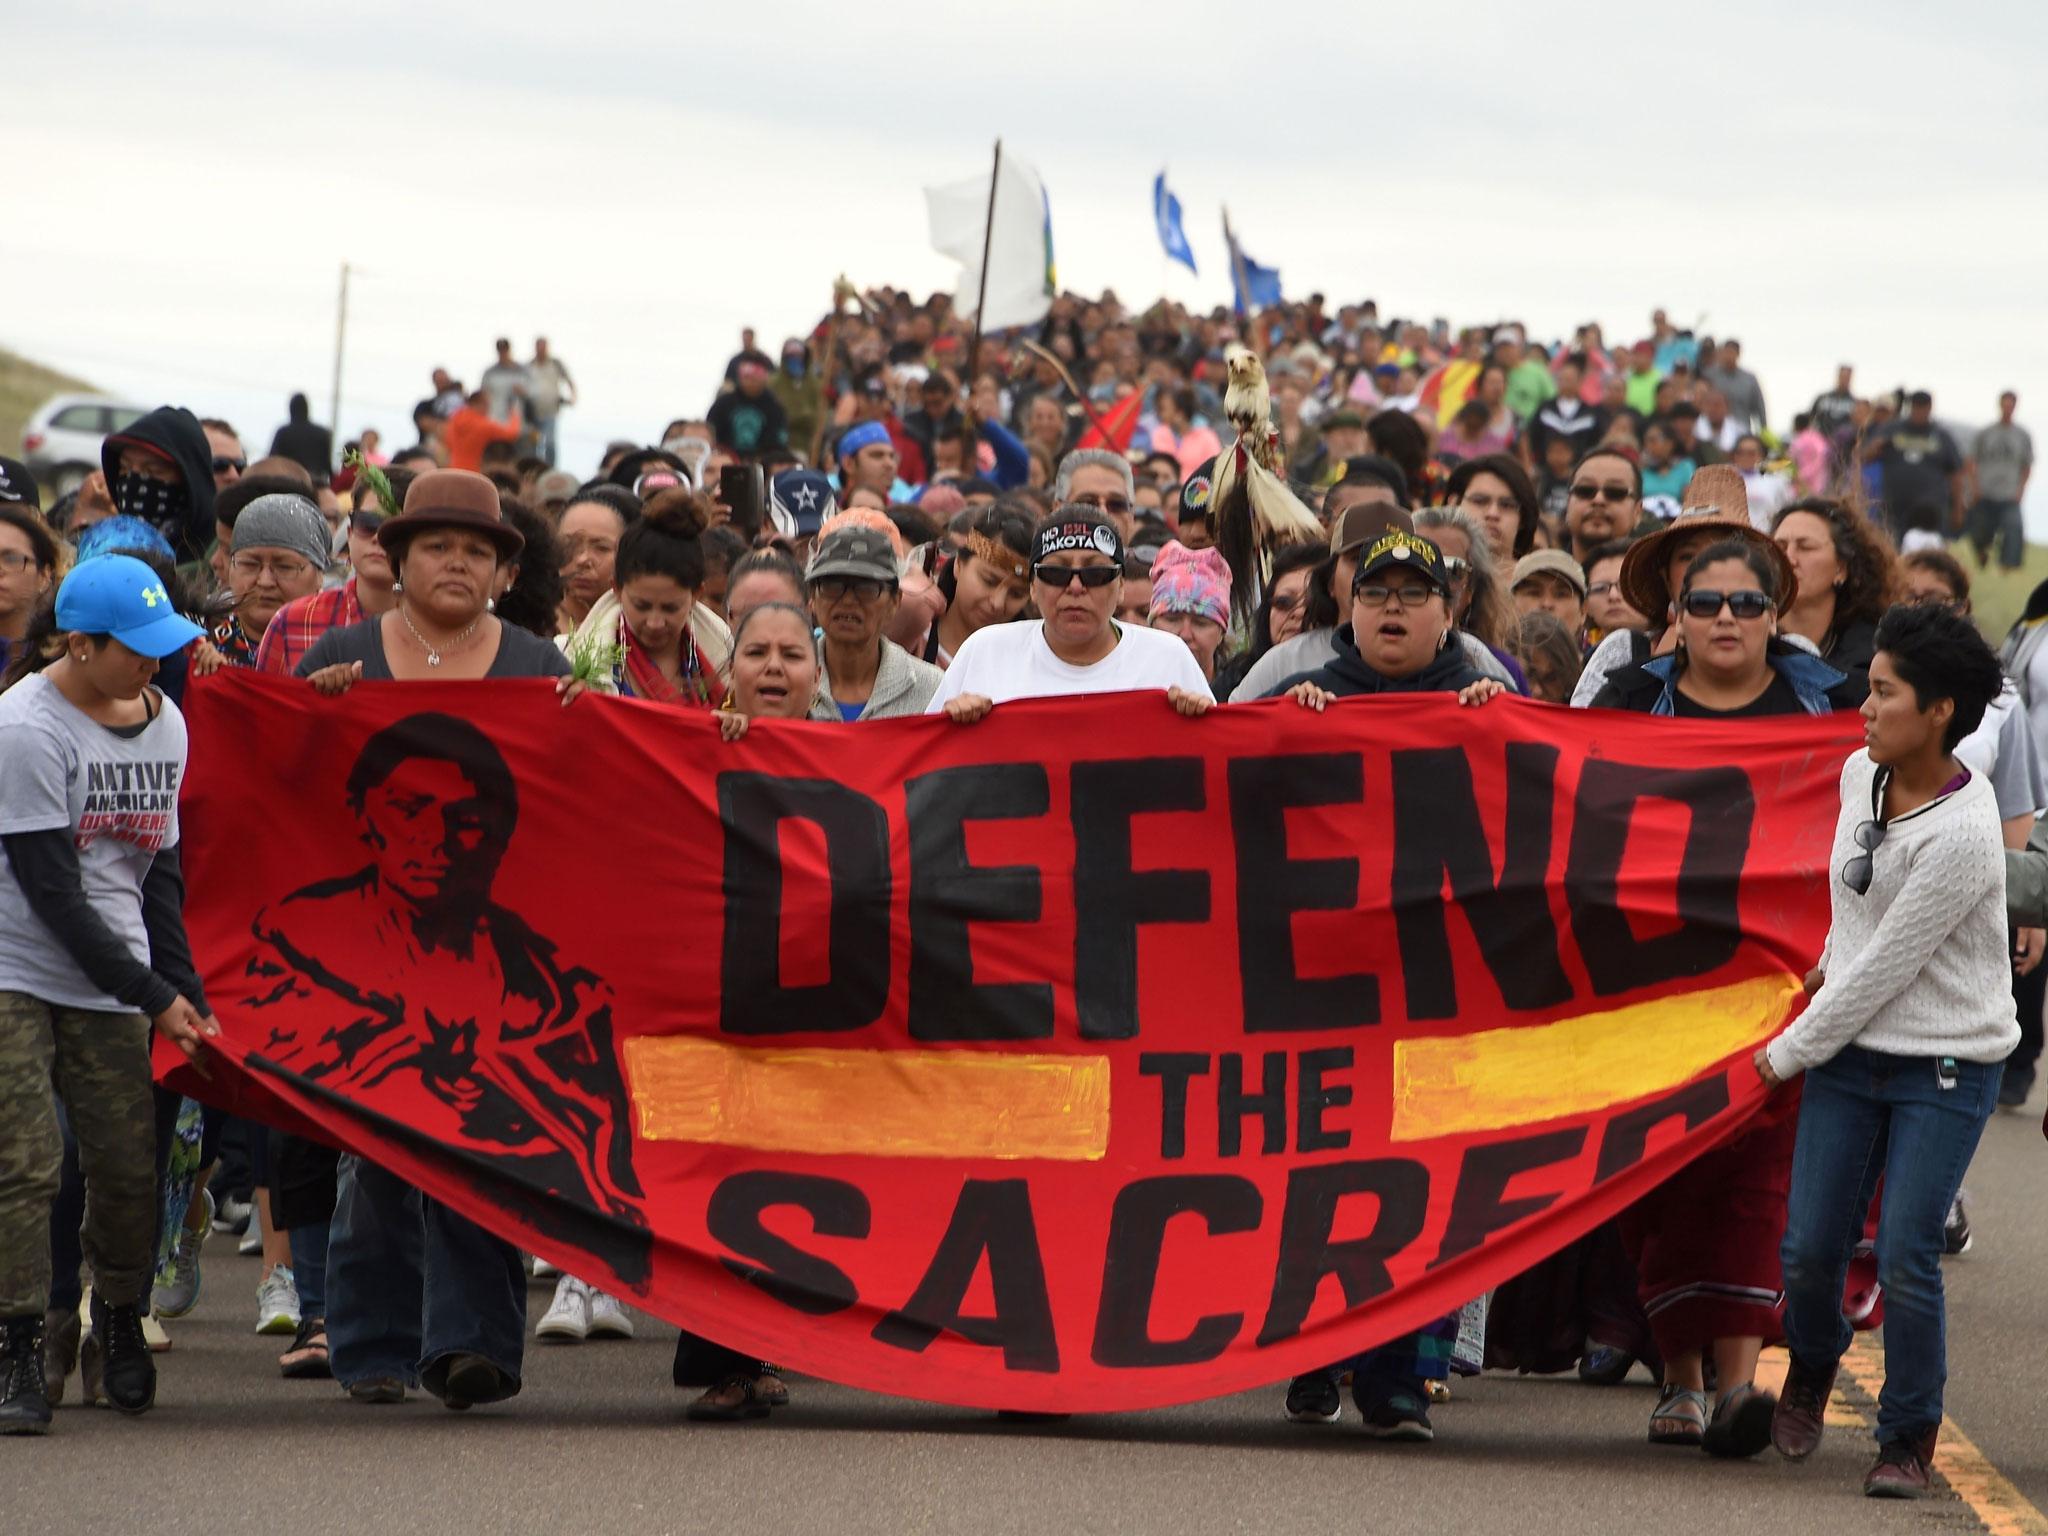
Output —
(60, 1350)
(24, 1403)
(127, 1373)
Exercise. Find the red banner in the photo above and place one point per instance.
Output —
(1087, 1056)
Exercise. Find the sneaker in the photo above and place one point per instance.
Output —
(1400, 1415)
(127, 1374)
(177, 1283)
(62, 1328)
(1955, 1232)
(1605, 1367)
(1797, 1422)
(609, 1317)
(232, 1215)
(567, 1320)
(543, 1270)
(1904, 1469)
(1314, 1399)
(377, 1389)
(277, 1302)
(24, 1398)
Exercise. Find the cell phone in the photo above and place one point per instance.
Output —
(743, 489)
(1945, 1073)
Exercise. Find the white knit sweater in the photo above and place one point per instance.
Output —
(1918, 965)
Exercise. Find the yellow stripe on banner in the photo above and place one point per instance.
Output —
(1499, 1078)
(870, 1103)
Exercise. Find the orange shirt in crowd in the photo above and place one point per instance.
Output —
(468, 430)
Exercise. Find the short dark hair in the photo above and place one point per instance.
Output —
(1373, 469)
(1507, 469)
(1627, 456)
(1611, 549)
(1748, 552)
(1940, 562)
(228, 504)
(1942, 655)
(443, 738)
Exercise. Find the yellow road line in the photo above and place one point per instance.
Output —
(869, 1102)
(1992, 1498)
(1496, 1078)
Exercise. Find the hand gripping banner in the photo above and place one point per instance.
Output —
(1087, 1056)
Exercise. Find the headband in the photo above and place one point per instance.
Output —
(869, 434)
(1001, 556)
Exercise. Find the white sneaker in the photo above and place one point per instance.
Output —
(251, 1240)
(567, 1320)
(609, 1317)
(542, 1269)
(277, 1302)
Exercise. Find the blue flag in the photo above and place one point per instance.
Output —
(1166, 214)
(1251, 285)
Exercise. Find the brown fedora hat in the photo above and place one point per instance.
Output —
(451, 498)
(1643, 580)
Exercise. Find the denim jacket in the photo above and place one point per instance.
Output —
(1811, 679)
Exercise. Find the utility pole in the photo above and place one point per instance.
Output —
(340, 342)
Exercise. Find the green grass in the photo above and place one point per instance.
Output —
(1999, 597)
(24, 386)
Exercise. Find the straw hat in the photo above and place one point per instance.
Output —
(1716, 499)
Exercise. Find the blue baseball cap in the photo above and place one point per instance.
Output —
(120, 596)
(799, 501)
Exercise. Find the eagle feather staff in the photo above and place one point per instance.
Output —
(1254, 513)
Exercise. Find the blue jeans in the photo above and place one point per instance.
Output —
(410, 1283)
(1863, 1115)
(309, 1267)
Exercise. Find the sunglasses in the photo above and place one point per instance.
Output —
(222, 464)
(1586, 491)
(1114, 504)
(1703, 604)
(1062, 576)
(832, 588)
(366, 522)
(1858, 872)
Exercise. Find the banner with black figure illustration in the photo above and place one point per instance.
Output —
(1083, 1057)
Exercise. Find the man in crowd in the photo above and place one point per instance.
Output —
(1920, 466)
(1738, 387)
(548, 389)
(1551, 581)
(230, 458)
(1095, 477)
(2001, 463)
(748, 418)
(504, 383)
(304, 441)
(1834, 409)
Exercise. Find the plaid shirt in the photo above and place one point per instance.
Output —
(303, 620)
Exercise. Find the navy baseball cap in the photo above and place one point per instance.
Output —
(120, 596)
(799, 501)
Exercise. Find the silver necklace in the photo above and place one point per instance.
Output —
(434, 656)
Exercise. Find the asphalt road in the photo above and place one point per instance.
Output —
(597, 1443)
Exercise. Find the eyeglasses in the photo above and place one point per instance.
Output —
(1376, 596)
(1062, 576)
(1602, 588)
(1115, 505)
(366, 522)
(1858, 872)
(833, 588)
(1703, 604)
(222, 464)
(1586, 491)
(282, 570)
(14, 560)
(1457, 568)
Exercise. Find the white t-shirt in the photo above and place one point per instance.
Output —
(1012, 661)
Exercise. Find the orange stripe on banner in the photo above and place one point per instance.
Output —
(1497, 1078)
(870, 1103)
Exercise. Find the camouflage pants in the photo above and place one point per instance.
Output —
(98, 1064)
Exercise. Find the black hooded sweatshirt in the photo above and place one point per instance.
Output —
(1347, 673)
(174, 432)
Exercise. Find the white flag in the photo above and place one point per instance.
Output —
(1021, 281)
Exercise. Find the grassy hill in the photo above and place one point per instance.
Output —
(1999, 597)
(23, 387)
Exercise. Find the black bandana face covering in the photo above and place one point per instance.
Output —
(160, 503)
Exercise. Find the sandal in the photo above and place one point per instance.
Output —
(771, 1388)
(735, 1398)
(307, 1360)
(1683, 1414)
(1742, 1423)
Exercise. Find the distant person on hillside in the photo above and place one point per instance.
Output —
(548, 389)
(303, 441)
(749, 419)
(504, 383)
(1835, 410)
(1918, 462)
(2001, 463)
(472, 428)
(1745, 396)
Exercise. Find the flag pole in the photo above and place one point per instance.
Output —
(340, 344)
(1237, 272)
(988, 235)
(970, 430)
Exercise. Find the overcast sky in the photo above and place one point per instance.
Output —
(1830, 181)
